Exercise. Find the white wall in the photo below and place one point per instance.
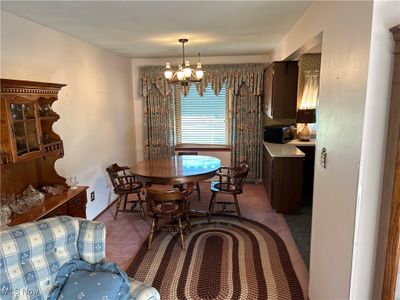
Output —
(95, 107)
(138, 101)
(386, 14)
(346, 28)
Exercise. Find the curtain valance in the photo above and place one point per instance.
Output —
(233, 75)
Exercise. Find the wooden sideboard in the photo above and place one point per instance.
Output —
(29, 149)
(71, 203)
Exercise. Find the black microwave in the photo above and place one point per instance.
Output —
(279, 134)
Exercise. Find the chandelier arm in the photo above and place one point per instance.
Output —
(183, 53)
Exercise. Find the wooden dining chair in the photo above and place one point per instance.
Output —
(197, 189)
(171, 204)
(124, 185)
(231, 182)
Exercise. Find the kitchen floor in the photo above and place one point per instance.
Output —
(126, 234)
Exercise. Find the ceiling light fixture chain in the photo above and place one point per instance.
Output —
(184, 75)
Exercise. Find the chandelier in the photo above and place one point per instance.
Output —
(184, 75)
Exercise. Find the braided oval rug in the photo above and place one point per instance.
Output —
(224, 259)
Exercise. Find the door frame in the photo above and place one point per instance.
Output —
(392, 177)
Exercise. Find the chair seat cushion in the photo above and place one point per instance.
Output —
(78, 279)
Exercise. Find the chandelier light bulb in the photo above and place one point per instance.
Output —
(187, 70)
(180, 74)
(199, 71)
(185, 74)
(168, 71)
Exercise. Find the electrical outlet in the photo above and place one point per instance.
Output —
(92, 196)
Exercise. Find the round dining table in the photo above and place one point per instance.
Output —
(176, 169)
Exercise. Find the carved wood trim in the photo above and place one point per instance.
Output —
(27, 91)
(392, 176)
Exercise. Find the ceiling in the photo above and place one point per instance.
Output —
(150, 29)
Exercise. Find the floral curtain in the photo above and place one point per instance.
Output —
(158, 115)
(244, 81)
(247, 131)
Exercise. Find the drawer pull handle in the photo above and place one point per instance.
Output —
(78, 201)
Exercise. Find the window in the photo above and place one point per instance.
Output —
(202, 119)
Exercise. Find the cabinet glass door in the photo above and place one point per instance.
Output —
(25, 127)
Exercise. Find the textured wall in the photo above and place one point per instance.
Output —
(95, 107)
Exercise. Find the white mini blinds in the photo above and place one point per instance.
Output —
(202, 119)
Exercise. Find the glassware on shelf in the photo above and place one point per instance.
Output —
(5, 210)
(54, 189)
(45, 110)
(19, 205)
(32, 196)
(73, 183)
(16, 111)
(5, 214)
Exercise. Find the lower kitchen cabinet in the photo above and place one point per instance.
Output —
(283, 181)
(308, 174)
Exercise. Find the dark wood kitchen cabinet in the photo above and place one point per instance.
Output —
(283, 181)
(280, 90)
(308, 174)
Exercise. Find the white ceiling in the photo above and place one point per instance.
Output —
(152, 28)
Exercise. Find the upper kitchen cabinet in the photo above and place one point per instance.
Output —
(280, 90)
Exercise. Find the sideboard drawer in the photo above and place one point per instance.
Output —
(77, 206)
(59, 211)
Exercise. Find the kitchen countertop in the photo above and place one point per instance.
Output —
(297, 142)
(289, 149)
(283, 150)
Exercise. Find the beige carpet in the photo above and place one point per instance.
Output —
(224, 259)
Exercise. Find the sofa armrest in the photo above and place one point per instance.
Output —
(91, 241)
(142, 291)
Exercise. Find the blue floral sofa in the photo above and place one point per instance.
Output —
(32, 253)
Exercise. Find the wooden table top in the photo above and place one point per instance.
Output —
(177, 169)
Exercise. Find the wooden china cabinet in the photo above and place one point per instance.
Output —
(29, 149)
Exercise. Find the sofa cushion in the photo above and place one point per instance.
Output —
(91, 241)
(78, 279)
(31, 255)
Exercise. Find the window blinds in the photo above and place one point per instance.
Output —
(202, 119)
